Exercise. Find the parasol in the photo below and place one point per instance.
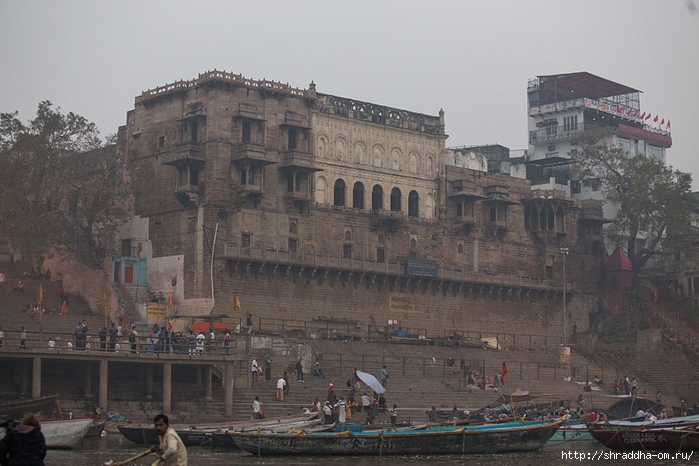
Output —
(371, 382)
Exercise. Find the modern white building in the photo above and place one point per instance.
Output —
(564, 105)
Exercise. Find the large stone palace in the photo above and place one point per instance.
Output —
(305, 204)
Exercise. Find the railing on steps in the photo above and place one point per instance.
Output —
(129, 305)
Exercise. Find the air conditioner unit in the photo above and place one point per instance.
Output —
(552, 148)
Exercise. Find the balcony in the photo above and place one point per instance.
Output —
(184, 152)
(556, 133)
(298, 196)
(252, 152)
(249, 111)
(297, 120)
(299, 159)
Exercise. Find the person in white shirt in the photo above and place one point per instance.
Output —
(52, 343)
(256, 408)
(281, 383)
(255, 369)
(200, 343)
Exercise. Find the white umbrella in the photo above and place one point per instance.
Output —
(371, 382)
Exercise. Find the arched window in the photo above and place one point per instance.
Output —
(293, 228)
(358, 195)
(460, 249)
(429, 206)
(560, 220)
(413, 243)
(528, 217)
(413, 204)
(395, 159)
(377, 197)
(322, 190)
(414, 163)
(430, 166)
(348, 235)
(339, 193)
(396, 198)
(550, 218)
(382, 239)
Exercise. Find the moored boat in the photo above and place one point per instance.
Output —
(17, 409)
(65, 433)
(515, 437)
(646, 434)
(215, 434)
(682, 439)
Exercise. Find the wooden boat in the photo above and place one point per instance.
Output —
(571, 431)
(17, 409)
(628, 406)
(644, 435)
(682, 439)
(515, 437)
(215, 434)
(96, 428)
(64, 433)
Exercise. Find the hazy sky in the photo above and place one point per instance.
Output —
(471, 58)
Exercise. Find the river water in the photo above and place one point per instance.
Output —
(94, 452)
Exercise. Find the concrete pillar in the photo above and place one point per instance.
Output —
(167, 387)
(149, 381)
(228, 389)
(88, 379)
(207, 382)
(36, 378)
(23, 374)
(104, 385)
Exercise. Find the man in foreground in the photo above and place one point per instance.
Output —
(171, 451)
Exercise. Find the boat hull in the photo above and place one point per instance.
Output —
(17, 409)
(211, 436)
(682, 439)
(64, 433)
(416, 442)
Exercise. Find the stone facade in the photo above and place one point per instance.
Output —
(317, 205)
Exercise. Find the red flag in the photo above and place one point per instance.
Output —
(668, 123)
(502, 374)
(643, 116)
(662, 122)
(648, 116)
(655, 120)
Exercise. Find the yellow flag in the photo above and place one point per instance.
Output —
(169, 299)
(236, 302)
(41, 295)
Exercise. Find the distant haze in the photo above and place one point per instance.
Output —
(471, 58)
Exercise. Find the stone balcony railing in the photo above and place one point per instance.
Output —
(324, 261)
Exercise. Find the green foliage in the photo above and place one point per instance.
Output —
(63, 191)
(655, 201)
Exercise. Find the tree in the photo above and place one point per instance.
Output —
(63, 191)
(655, 202)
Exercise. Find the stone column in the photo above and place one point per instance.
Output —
(22, 372)
(88, 379)
(228, 389)
(104, 384)
(36, 378)
(207, 383)
(167, 387)
(149, 381)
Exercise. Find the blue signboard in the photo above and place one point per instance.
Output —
(421, 268)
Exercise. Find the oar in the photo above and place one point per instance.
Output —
(130, 460)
